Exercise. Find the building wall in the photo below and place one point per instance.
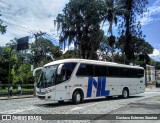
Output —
(150, 73)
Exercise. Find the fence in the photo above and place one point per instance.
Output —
(26, 89)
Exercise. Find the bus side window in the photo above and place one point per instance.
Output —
(111, 71)
(81, 70)
(125, 72)
(101, 70)
(67, 70)
(85, 70)
(140, 73)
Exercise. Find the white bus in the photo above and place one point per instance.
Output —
(80, 79)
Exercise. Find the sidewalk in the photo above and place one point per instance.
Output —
(16, 97)
(152, 88)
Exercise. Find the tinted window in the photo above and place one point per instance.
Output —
(112, 71)
(140, 73)
(66, 72)
(132, 73)
(125, 72)
(100, 70)
(85, 70)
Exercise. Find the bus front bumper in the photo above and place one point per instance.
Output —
(43, 95)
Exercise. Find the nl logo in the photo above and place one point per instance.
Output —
(99, 85)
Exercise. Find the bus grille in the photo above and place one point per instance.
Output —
(41, 97)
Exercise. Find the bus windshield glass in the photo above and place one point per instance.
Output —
(48, 76)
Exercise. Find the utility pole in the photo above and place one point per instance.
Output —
(38, 34)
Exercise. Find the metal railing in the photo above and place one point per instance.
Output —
(26, 89)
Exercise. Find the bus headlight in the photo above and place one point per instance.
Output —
(49, 90)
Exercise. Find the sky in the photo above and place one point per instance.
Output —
(26, 17)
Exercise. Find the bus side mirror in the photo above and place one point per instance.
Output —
(59, 70)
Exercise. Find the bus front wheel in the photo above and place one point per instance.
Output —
(125, 93)
(77, 97)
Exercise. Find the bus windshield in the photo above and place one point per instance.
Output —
(48, 76)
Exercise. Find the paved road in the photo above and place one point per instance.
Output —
(145, 107)
(98, 106)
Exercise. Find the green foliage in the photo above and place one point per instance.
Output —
(2, 27)
(70, 54)
(80, 24)
(44, 52)
(130, 27)
(7, 58)
(140, 48)
(104, 45)
(112, 10)
(25, 73)
(111, 40)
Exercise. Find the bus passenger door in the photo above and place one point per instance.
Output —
(61, 86)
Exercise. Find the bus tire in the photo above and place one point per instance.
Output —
(77, 97)
(125, 93)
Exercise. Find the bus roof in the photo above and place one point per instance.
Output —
(91, 62)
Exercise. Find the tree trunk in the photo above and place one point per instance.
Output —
(127, 50)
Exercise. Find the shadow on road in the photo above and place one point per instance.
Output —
(66, 103)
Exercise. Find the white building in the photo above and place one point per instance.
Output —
(150, 73)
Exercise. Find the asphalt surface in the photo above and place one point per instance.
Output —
(143, 108)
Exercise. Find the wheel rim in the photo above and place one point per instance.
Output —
(125, 93)
(78, 97)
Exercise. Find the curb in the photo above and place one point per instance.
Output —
(16, 97)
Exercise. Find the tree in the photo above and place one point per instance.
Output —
(46, 51)
(112, 9)
(2, 27)
(70, 54)
(80, 24)
(25, 73)
(130, 27)
(3, 66)
(140, 48)
(7, 61)
(105, 48)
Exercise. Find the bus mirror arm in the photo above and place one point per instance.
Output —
(35, 70)
(59, 70)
